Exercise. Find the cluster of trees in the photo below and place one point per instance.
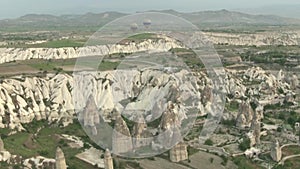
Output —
(268, 57)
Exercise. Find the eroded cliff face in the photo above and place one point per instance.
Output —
(156, 45)
(258, 39)
(24, 99)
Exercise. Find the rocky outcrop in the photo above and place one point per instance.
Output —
(170, 126)
(1, 145)
(255, 133)
(276, 153)
(245, 116)
(259, 83)
(255, 128)
(90, 116)
(252, 152)
(140, 134)
(293, 81)
(108, 161)
(121, 139)
(258, 39)
(14, 54)
(60, 161)
(23, 99)
(40, 162)
(179, 152)
(5, 156)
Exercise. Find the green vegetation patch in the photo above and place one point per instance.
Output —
(243, 163)
(45, 142)
(143, 36)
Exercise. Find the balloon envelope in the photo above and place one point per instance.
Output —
(147, 22)
(134, 26)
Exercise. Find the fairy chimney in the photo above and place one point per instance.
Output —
(122, 141)
(276, 153)
(60, 160)
(108, 160)
(179, 152)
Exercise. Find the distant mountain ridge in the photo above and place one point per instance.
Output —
(226, 16)
(203, 18)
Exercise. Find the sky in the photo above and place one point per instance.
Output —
(16, 8)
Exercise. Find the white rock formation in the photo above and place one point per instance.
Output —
(257, 39)
(25, 99)
(39, 162)
(5, 156)
(60, 161)
(252, 152)
(276, 153)
(14, 54)
(121, 139)
(179, 152)
(108, 161)
(1, 145)
(245, 115)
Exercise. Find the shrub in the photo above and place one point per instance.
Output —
(245, 144)
(209, 142)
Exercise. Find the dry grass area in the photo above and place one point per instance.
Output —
(10, 69)
(290, 150)
(203, 160)
(199, 160)
(160, 163)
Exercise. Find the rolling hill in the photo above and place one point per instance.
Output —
(92, 21)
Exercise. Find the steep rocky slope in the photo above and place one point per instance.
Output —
(23, 99)
(154, 45)
(157, 45)
(257, 39)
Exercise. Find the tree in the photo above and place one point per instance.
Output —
(245, 144)
(209, 142)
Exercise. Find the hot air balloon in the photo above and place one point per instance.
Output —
(134, 27)
(147, 23)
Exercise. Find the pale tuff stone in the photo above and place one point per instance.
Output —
(252, 152)
(1, 145)
(108, 160)
(245, 115)
(276, 153)
(53, 98)
(170, 125)
(121, 141)
(255, 133)
(60, 161)
(258, 39)
(141, 137)
(90, 115)
(13, 54)
(39, 161)
(5, 156)
(179, 152)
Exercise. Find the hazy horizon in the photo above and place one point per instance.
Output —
(17, 8)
